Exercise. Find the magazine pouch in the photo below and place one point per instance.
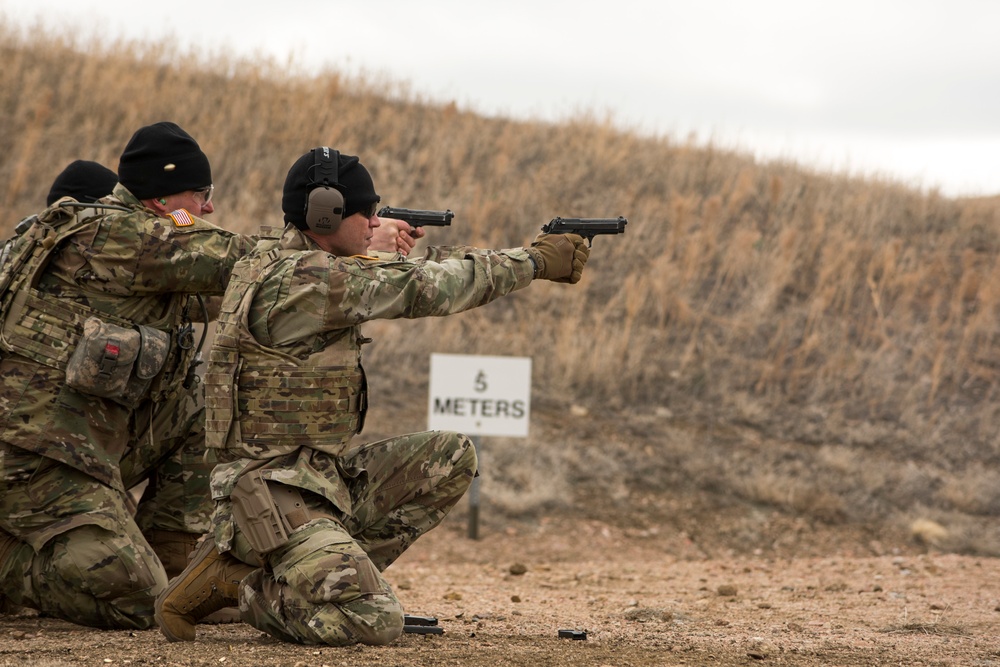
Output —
(115, 362)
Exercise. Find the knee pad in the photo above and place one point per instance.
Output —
(375, 619)
(270, 607)
(326, 565)
(332, 593)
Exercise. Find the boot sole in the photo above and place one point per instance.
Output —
(222, 617)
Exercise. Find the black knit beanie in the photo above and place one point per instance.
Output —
(161, 160)
(84, 181)
(353, 181)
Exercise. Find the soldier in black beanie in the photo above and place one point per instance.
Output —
(351, 179)
(143, 265)
(84, 181)
(165, 168)
(286, 394)
(162, 159)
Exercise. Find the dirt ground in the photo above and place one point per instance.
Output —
(641, 597)
(684, 578)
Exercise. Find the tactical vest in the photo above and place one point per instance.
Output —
(262, 403)
(46, 328)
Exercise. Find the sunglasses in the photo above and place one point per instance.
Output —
(369, 211)
(204, 194)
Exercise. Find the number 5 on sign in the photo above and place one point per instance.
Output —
(480, 395)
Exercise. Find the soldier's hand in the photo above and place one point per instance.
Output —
(394, 235)
(559, 257)
(407, 237)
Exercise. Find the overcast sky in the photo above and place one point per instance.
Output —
(908, 89)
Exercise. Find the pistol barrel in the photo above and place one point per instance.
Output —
(417, 217)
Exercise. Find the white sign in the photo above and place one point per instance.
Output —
(479, 395)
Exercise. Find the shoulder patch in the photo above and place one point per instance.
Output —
(181, 218)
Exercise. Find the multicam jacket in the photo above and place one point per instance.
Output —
(285, 370)
(127, 267)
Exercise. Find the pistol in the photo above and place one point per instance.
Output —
(586, 227)
(418, 218)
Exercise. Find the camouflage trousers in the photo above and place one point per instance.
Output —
(325, 585)
(82, 558)
(84, 555)
(169, 457)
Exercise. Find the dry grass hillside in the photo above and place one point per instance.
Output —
(827, 345)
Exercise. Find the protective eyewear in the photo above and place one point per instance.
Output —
(204, 194)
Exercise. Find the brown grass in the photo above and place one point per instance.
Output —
(854, 320)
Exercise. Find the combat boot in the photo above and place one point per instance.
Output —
(174, 549)
(209, 583)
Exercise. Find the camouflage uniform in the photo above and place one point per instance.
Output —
(67, 458)
(285, 393)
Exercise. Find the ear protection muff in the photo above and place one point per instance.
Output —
(325, 204)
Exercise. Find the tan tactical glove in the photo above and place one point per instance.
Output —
(559, 257)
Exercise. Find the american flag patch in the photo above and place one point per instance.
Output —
(181, 218)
